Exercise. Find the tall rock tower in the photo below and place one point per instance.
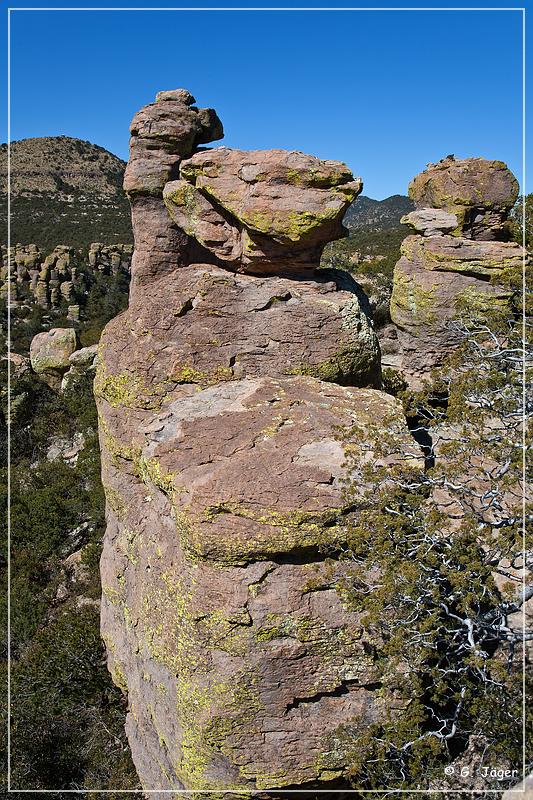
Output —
(458, 259)
(221, 392)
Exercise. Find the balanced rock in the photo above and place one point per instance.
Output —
(223, 393)
(452, 270)
(84, 357)
(479, 192)
(430, 221)
(262, 209)
(179, 95)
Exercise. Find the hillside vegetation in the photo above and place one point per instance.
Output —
(64, 191)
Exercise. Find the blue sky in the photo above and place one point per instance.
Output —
(386, 92)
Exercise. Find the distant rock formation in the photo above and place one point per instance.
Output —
(50, 353)
(54, 357)
(222, 393)
(457, 260)
(59, 277)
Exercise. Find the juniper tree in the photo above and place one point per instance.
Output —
(440, 569)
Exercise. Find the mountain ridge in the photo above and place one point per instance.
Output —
(64, 191)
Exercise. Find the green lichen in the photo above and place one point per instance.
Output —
(189, 374)
(480, 304)
(129, 390)
(112, 595)
(118, 677)
(408, 297)
(208, 712)
(115, 501)
(346, 365)
(277, 532)
(150, 471)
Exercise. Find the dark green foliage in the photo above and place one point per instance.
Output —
(367, 253)
(392, 381)
(47, 221)
(67, 724)
(67, 716)
(522, 213)
(107, 297)
(431, 544)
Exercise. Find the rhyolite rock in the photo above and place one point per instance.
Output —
(452, 270)
(59, 275)
(478, 191)
(224, 391)
(50, 352)
(162, 135)
(83, 357)
(430, 221)
(262, 210)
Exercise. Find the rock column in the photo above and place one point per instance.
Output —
(222, 391)
(457, 262)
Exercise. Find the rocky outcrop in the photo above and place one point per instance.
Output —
(81, 362)
(478, 192)
(223, 392)
(62, 276)
(458, 261)
(262, 210)
(162, 134)
(53, 356)
(50, 353)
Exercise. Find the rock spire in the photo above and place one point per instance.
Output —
(221, 392)
(458, 260)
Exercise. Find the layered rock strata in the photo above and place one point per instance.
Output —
(223, 391)
(458, 261)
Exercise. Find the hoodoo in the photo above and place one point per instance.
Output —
(457, 260)
(222, 393)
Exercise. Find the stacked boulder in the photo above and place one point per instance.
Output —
(458, 261)
(262, 211)
(54, 357)
(223, 391)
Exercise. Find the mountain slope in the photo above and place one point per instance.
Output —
(377, 215)
(64, 191)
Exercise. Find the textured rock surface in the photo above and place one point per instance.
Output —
(444, 274)
(162, 134)
(431, 221)
(263, 210)
(50, 352)
(479, 192)
(52, 349)
(220, 423)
